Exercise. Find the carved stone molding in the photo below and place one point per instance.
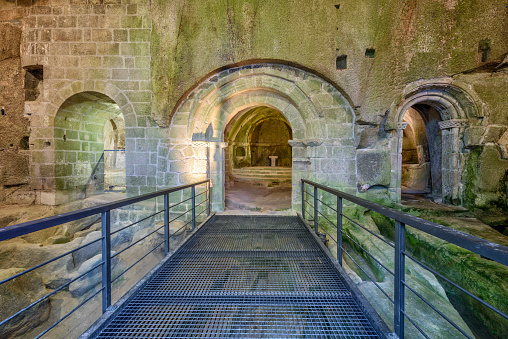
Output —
(453, 123)
(401, 125)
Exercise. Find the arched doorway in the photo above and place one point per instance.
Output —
(258, 160)
(447, 111)
(321, 119)
(421, 171)
(81, 125)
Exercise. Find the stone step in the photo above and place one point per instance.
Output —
(261, 176)
(263, 170)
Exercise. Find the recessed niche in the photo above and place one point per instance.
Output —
(337, 6)
(47, 143)
(370, 52)
(240, 152)
(341, 62)
(34, 75)
(24, 143)
(484, 49)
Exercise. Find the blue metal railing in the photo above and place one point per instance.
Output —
(489, 250)
(105, 264)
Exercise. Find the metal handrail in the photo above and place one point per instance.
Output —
(487, 249)
(104, 210)
(490, 250)
(14, 231)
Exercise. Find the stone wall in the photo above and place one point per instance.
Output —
(14, 143)
(148, 57)
(98, 46)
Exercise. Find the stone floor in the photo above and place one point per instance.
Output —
(257, 198)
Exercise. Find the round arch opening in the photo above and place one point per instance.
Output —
(86, 125)
(258, 160)
(421, 168)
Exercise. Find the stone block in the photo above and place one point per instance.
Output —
(88, 21)
(105, 48)
(59, 49)
(109, 21)
(102, 34)
(120, 35)
(91, 61)
(46, 22)
(473, 135)
(67, 21)
(136, 35)
(132, 9)
(84, 48)
(112, 62)
(120, 74)
(373, 167)
(139, 96)
(139, 74)
(67, 34)
(135, 48)
(493, 133)
(132, 21)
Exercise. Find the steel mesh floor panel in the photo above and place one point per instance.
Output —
(244, 277)
(253, 241)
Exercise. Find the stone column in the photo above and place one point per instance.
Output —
(217, 164)
(396, 161)
(452, 162)
(300, 166)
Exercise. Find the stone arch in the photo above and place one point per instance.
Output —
(457, 108)
(76, 87)
(318, 113)
(45, 174)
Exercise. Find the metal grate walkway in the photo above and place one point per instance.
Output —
(244, 277)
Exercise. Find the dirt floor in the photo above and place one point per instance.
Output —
(245, 196)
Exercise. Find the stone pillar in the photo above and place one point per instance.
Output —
(300, 166)
(452, 162)
(396, 161)
(217, 164)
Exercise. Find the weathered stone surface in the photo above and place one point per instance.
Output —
(93, 279)
(421, 280)
(373, 167)
(17, 294)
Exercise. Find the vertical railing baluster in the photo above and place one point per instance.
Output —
(193, 193)
(208, 187)
(400, 244)
(303, 200)
(166, 223)
(339, 230)
(106, 259)
(315, 210)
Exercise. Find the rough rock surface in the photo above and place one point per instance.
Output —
(19, 293)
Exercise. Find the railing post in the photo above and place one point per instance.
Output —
(193, 193)
(208, 187)
(303, 200)
(106, 259)
(400, 239)
(166, 223)
(339, 230)
(315, 210)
